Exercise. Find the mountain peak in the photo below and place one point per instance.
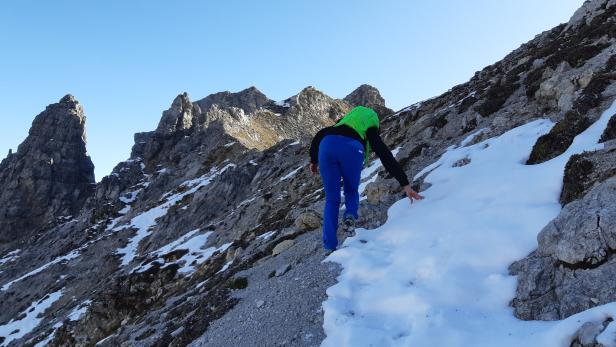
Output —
(50, 175)
(369, 96)
(68, 98)
(250, 99)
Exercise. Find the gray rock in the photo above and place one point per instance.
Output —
(574, 267)
(368, 96)
(282, 246)
(382, 192)
(50, 175)
(283, 270)
(308, 220)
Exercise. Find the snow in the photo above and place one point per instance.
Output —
(267, 235)
(225, 267)
(79, 311)
(283, 103)
(290, 174)
(145, 221)
(28, 323)
(131, 196)
(230, 144)
(45, 341)
(472, 136)
(247, 201)
(193, 242)
(9, 257)
(607, 338)
(70, 256)
(435, 274)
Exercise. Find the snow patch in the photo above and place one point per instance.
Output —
(267, 235)
(16, 329)
(290, 174)
(435, 274)
(145, 221)
(79, 311)
(65, 258)
(196, 255)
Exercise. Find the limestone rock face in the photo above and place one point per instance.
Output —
(50, 175)
(368, 96)
(574, 267)
(179, 116)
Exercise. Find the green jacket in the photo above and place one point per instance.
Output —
(360, 119)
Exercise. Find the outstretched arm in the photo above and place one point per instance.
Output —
(390, 163)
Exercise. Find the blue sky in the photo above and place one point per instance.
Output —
(125, 61)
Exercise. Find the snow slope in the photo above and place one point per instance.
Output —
(435, 274)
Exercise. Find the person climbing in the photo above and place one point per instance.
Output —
(341, 151)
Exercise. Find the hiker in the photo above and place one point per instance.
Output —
(341, 151)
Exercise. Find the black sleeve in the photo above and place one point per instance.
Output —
(314, 145)
(389, 162)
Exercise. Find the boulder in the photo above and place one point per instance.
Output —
(382, 191)
(308, 220)
(574, 267)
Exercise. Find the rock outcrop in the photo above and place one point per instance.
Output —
(369, 96)
(574, 267)
(49, 177)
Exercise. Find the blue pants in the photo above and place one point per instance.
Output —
(339, 157)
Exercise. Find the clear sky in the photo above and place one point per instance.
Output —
(125, 61)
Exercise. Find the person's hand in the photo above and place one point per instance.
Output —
(314, 168)
(411, 194)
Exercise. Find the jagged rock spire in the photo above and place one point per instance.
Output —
(369, 96)
(50, 175)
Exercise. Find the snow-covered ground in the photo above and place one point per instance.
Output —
(65, 258)
(435, 274)
(193, 243)
(30, 319)
(145, 221)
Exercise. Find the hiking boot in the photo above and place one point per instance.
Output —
(348, 226)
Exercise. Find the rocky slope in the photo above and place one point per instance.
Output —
(187, 241)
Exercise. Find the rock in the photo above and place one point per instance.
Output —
(283, 270)
(586, 336)
(260, 303)
(584, 171)
(282, 246)
(179, 116)
(610, 131)
(382, 191)
(368, 96)
(558, 91)
(308, 220)
(559, 138)
(50, 175)
(574, 267)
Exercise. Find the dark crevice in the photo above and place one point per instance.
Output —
(586, 264)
